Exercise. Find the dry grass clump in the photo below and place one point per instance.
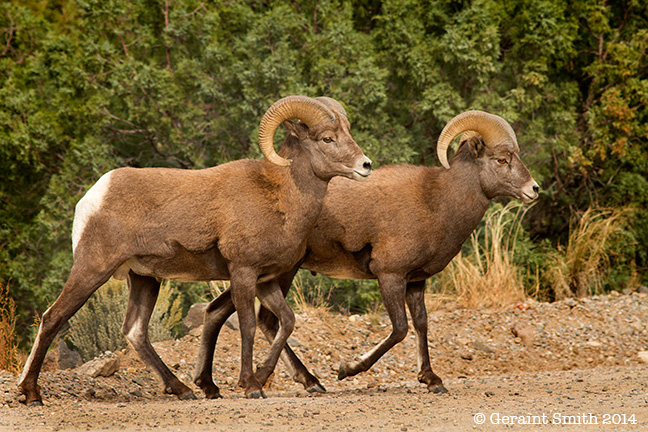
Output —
(10, 356)
(314, 300)
(487, 275)
(96, 327)
(579, 269)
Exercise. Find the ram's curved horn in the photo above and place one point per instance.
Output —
(333, 104)
(493, 129)
(308, 110)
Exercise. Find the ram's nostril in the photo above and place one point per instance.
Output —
(536, 189)
(367, 165)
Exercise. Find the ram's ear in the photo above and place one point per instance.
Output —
(476, 145)
(297, 129)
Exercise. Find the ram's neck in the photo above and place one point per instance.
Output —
(300, 195)
(461, 198)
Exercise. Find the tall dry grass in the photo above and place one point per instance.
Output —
(486, 276)
(579, 269)
(313, 300)
(11, 358)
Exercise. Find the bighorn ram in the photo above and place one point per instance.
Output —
(246, 221)
(405, 225)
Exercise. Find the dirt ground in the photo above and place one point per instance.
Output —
(569, 365)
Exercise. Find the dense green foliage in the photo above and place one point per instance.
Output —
(88, 85)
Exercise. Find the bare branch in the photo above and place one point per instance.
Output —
(201, 6)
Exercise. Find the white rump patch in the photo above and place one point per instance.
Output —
(88, 206)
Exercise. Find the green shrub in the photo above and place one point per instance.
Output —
(345, 295)
(96, 327)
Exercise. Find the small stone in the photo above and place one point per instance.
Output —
(233, 322)
(104, 366)
(525, 332)
(642, 289)
(643, 356)
(463, 340)
(482, 347)
(67, 358)
(521, 306)
(570, 302)
(293, 342)
(195, 317)
(467, 356)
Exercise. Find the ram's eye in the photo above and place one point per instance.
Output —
(502, 161)
(327, 140)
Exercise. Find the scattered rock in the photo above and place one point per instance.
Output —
(642, 289)
(194, 317)
(525, 332)
(105, 365)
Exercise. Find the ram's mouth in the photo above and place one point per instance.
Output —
(527, 198)
(359, 175)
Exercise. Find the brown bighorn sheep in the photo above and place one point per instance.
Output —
(405, 225)
(246, 221)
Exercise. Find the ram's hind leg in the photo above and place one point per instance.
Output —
(242, 284)
(416, 303)
(78, 288)
(141, 302)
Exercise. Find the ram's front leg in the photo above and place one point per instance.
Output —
(392, 288)
(243, 286)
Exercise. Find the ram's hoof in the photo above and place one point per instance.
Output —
(316, 388)
(439, 389)
(187, 396)
(213, 395)
(342, 372)
(35, 403)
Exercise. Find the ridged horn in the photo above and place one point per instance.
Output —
(493, 129)
(333, 104)
(308, 110)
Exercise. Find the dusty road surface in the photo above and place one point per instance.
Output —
(570, 365)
